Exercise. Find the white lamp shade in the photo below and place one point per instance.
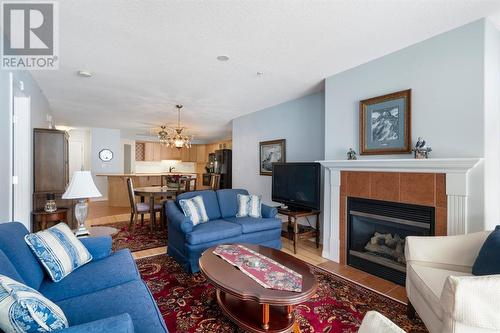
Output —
(81, 187)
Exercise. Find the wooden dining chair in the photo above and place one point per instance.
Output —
(182, 185)
(214, 181)
(192, 184)
(140, 208)
(187, 184)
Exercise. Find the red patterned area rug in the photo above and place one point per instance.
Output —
(141, 238)
(188, 304)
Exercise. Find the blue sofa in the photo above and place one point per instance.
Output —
(186, 242)
(105, 295)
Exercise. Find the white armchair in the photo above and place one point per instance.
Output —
(374, 322)
(442, 290)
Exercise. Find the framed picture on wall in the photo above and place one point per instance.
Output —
(269, 153)
(385, 124)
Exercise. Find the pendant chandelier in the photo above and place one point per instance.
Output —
(176, 139)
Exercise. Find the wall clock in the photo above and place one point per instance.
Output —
(106, 155)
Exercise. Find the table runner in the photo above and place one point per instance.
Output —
(269, 274)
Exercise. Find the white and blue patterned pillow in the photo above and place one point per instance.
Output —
(59, 251)
(23, 309)
(194, 208)
(249, 205)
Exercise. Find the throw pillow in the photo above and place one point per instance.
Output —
(59, 251)
(194, 208)
(488, 259)
(249, 205)
(23, 309)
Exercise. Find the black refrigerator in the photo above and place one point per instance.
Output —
(223, 166)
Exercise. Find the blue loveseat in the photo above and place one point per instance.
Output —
(105, 295)
(186, 242)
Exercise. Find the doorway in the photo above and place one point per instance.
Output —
(21, 158)
(76, 150)
(127, 158)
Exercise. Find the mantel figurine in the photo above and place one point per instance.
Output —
(420, 150)
(351, 154)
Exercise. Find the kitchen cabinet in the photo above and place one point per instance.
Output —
(149, 151)
(155, 151)
(189, 154)
(139, 151)
(169, 153)
(148, 181)
(201, 153)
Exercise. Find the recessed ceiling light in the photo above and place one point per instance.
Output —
(223, 58)
(84, 73)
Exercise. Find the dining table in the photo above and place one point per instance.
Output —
(153, 192)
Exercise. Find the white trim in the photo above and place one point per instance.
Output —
(11, 145)
(434, 165)
(22, 161)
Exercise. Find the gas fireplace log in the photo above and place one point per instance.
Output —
(388, 246)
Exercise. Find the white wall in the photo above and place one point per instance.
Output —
(299, 121)
(447, 76)
(492, 125)
(105, 138)
(39, 110)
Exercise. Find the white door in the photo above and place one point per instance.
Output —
(76, 157)
(21, 166)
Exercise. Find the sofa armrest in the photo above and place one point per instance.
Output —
(460, 250)
(268, 211)
(116, 324)
(471, 301)
(374, 322)
(99, 247)
(177, 219)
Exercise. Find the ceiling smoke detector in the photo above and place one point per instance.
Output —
(84, 73)
(223, 58)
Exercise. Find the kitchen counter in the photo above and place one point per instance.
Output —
(144, 174)
(117, 184)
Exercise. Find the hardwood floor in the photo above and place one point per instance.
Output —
(99, 209)
(100, 213)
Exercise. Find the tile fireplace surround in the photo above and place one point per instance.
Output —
(441, 183)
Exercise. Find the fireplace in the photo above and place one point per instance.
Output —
(376, 232)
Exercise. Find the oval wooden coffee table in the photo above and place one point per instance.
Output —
(247, 303)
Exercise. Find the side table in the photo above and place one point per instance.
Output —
(294, 231)
(41, 218)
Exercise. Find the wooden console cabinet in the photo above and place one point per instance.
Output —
(50, 171)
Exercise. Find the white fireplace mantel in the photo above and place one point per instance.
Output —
(457, 190)
(435, 165)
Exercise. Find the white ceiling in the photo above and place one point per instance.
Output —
(147, 56)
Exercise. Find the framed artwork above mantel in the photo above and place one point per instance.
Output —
(385, 124)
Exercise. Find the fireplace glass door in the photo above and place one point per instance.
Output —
(376, 233)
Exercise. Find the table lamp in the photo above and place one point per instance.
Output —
(81, 188)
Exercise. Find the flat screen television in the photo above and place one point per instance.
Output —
(297, 185)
